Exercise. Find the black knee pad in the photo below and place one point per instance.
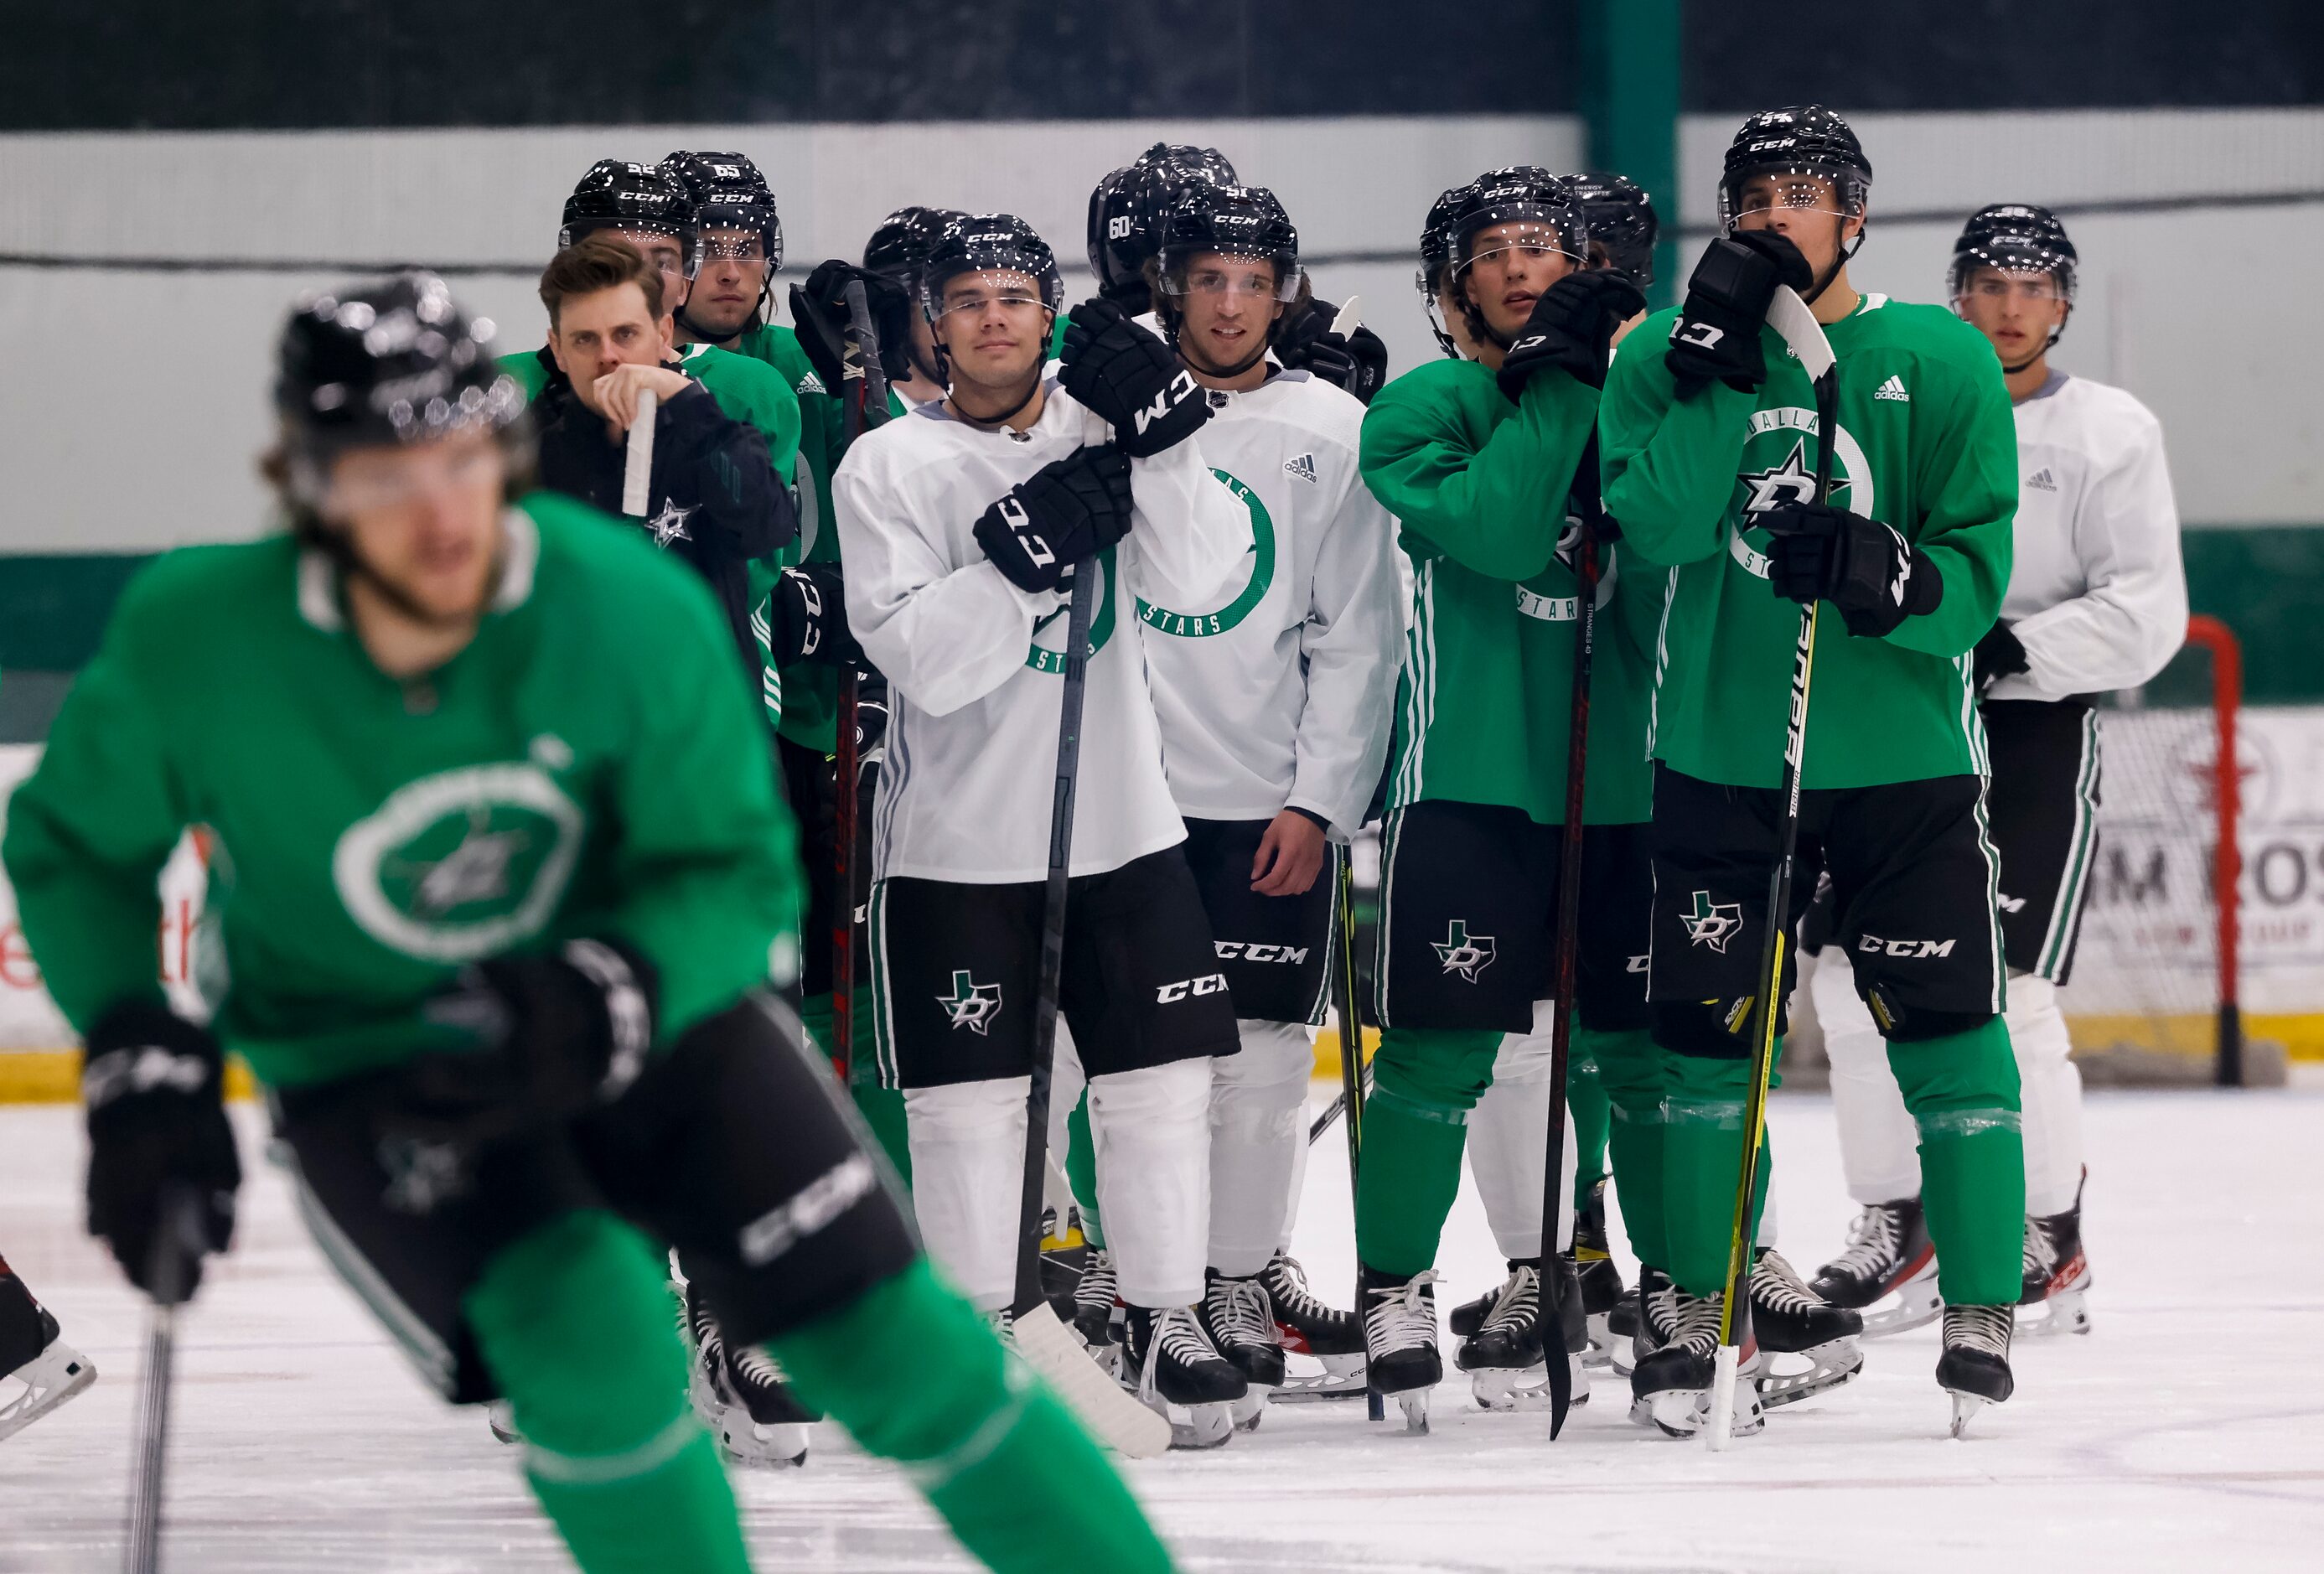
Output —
(780, 1203)
(1709, 1030)
(1920, 1023)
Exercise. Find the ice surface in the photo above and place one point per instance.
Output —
(2186, 1433)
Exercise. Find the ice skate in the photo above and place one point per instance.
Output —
(51, 1375)
(1180, 1373)
(1506, 1358)
(1602, 1290)
(1065, 1259)
(1889, 1254)
(1975, 1367)
(1644, 1319)
(2057, 1271)
(1097, 1309)
(1402, 1360)
(1670, 1388)
(741, 1397)
(1792, 1321)
(1308, 1326)
(1241, 1321)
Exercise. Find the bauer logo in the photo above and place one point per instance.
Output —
(1463, 952)
(1188, 988)
(462, 865)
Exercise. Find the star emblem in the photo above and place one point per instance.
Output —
(970, 1005)
(1713, 924)
(669, 524)
(1790, 482)
(1463, 952)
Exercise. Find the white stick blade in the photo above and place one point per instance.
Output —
(1719, 1425)
(1789, 315)
(1351, 317)
(637, 469)
(1096, 1400)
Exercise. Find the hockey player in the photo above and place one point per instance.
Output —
(898, 251)
(2096, 600)
(960, 523)
(34, 1355)
(712, 497)
(509, 885)
(1273, 695)
(1707, 435)
(1475, 458)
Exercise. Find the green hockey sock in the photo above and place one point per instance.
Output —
(574, 1323)
(1962, 1092)
(1702, 1156)
(883, 1108)
(1630, 1074)
(1424, 1082)
(1022, 1485)
(1081, 1170)
(1585, 1096)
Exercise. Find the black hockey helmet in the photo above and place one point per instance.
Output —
(1127, 209)
(899, 248)
(384, 363)
(2016, 237)
(981, 242)
(727, 192)
(617, 195)
(1525, 194)
(1436, 257)
(1805, 139)
(1622, 226)
(1234, 221)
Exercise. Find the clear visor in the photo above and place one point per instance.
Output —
(1799, 190)
(379, 480)
(1529, 239)
(1215, 277)
(2022, 270)
(733, 248)
(669, 250)
(979, 292)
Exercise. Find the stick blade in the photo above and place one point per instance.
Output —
(1789, 315)
(1096, 1400)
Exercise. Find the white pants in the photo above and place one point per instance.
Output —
(1259, 1143)
(1153, 1174)
(1507, 1144)
(1879, 1145)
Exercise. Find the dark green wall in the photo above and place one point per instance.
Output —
(2267, 583)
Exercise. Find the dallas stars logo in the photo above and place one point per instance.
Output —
(669, 524)
(1792, 481)
(1713, 924)
(970, 1005)
(474, 871)
(1463, 952)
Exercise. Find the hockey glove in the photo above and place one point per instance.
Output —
(1356, 362)
(1571, 328)
(554, 1033)
(1715, 339)
(157, 1131)
(806, 618)
(1999, 655)
(1866, 569)
(1131, 378)
(819, 309)
(1069, 510)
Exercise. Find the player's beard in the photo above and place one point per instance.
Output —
(339, 546)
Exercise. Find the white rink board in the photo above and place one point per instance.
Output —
(2186, 1433)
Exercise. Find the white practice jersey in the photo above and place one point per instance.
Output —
(2098, 594)
(975, 666)
(1277, 689)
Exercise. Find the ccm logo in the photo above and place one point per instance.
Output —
(1253, 951)
(1208, 984)
(1910, 949)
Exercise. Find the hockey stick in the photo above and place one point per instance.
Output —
(1565, 967)
(1354, 1079)
(1334, 1110)
(1789, 315)
(176, 1245)
(865, 400)
(637, 462)
(1104, 1405)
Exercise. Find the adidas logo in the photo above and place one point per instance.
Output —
(810, 383)
(1303, 467)
(1893, 388)
(2042, 479)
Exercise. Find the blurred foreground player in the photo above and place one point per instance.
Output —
(34, 1357)
(503, 887)
(2096, 600)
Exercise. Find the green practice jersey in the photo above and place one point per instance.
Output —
(743, 390)
(590, 764)
(1926, 444)
(1478, 487)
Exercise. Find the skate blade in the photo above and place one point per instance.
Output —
(500, 1418)
(1247, 1410)
(2065, 1311)
(1413, 1404)
(1965, 1406)
(1684, 1413)
(1511, 1388)
(1916, 1305)
(51, 1378)
(1341, 1377)
(1600, 1353)
(1829, 1365)
(1206, 1426)
(780, 1446)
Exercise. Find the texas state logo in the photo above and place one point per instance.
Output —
(1778, 467)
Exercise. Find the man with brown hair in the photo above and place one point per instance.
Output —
(714, 497)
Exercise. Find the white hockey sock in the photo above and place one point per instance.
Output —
(1879, 1145)
(1257, 1099)
(2049, 1092)
(1508, 1131)
(1153, 1135)
(968, 1175)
